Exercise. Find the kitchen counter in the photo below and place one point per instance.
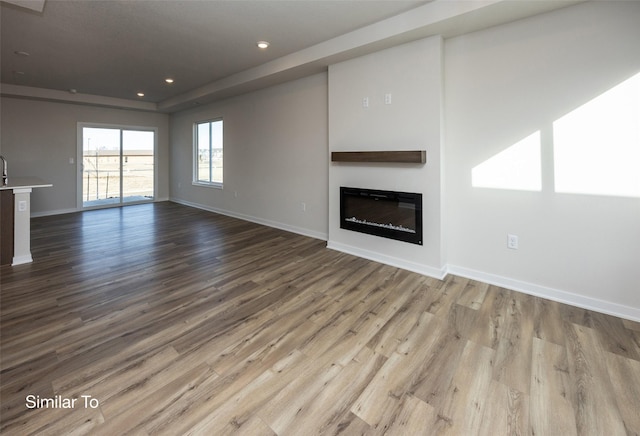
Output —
(25, 183)
(15, 219)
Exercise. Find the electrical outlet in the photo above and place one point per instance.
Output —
(512, 242)
(304, 207)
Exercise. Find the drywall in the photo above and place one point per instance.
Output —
(39, 137)
(275, 156)
(500, 85)
(504, 84)
(412, 74)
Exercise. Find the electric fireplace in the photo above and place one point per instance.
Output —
(389, 214)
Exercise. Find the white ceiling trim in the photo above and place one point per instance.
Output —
(34, 5)
(440, 17)
(78, 98)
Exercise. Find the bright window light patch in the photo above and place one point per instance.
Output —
(517, 167)
(597, 146)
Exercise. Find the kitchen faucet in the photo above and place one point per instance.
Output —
(4, 171)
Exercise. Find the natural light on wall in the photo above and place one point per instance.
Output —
(517, 167)
(597, 146)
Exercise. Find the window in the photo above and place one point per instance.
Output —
(118, 164)
(208, 153)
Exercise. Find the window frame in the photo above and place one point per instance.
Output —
(196, 155)
(80, 126)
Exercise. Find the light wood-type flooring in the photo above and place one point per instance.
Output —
(171, 320)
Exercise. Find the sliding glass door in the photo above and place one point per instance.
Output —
(117, 165)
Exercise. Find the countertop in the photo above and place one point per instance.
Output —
(25, 182)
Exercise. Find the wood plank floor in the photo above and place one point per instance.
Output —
(164, 319)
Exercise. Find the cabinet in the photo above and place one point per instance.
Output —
(6, 227)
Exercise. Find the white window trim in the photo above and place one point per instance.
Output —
(194, 170)
(216, 185)
(79, 156)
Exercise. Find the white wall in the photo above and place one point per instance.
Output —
(39, 137)
(412, 74)
(504, 83)
(499, 85)
(275, 156)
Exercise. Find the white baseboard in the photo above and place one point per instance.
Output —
(590, 303)
(390, 260)
(19, 260)
(560, 296)
(253, 219)
(79, 209)
(53, 212)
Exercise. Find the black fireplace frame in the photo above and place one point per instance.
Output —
(410, 198)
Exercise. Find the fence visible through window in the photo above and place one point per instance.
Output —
(118, 166)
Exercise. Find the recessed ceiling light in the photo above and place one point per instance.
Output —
(168, 80)
(262, 44)
(140, 94)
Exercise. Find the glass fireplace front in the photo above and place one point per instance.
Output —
(389, 214)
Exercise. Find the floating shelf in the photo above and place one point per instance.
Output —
(411, 156)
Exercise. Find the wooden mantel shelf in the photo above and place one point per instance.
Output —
(409, 156)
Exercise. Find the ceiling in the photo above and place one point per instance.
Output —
(113, 49)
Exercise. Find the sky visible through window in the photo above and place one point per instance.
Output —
(113, 172)
(109, 139)
(209, 146)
